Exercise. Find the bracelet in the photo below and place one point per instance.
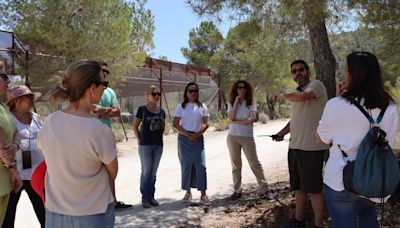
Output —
(11, 165)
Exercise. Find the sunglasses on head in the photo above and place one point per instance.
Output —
(4, 77)
(103, 83)
(193, 90)
(300, 70)
(156, 94)
(241, 87)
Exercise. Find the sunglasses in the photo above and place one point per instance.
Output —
(105, 71)
(103, 83)
(193, 90)
(241, 87)
(4, 77)
(300, 70)
(156, 94)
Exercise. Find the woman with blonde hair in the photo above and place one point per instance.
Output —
(80, 153)
(9, 175)
(150, 139)
(20, 101)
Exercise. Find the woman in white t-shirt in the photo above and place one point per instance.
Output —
(20, 101)
(80, 153)
(191, 121)
(242, 115)
(344, 125)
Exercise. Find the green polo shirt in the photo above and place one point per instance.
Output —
(108, 99)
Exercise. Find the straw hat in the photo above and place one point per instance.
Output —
(19, 91)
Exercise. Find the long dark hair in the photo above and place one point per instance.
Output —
(366, 81)
(232, 94)
(186, 99)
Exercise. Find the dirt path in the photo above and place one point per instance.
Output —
(172, 211)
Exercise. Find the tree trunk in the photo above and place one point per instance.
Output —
(271, 107)
(325, 62)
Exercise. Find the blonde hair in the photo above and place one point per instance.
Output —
(151, 88)
(73, 82)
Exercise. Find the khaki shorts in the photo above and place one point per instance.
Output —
(305, 170)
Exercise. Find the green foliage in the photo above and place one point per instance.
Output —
(111, 30)
(119, 131)
(221, 121)
(284, 110)
(204, 42)
(382, 18)
(395, 92)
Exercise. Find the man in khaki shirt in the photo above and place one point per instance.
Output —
(306, 154)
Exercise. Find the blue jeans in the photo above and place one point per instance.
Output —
(347, 209)
(150, 156)
(104, 220)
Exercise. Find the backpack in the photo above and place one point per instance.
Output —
(375, 173)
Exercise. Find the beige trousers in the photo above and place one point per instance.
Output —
(235, 145)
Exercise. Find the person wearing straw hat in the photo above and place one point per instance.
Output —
(9, 175)
(20, 101)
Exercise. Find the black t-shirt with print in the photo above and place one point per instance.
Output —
(151, 128)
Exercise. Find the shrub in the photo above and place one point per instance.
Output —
(119, 132)
(284, 111)
(263, 118)
(221, 121)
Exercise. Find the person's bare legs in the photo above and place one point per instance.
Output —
(317, 202)
(301, 199)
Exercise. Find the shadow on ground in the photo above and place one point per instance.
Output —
(251, 210)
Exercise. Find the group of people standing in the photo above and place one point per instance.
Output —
(80, 153)
(338, 125)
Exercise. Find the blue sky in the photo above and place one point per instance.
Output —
(173, 20)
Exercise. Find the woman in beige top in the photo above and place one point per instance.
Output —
(80, 153)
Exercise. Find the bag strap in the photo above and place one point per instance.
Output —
(369, 117)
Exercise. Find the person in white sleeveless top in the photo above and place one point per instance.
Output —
(343, 124)
(20, 101)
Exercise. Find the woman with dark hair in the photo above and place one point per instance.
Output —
(242, 115)
(80, 153)
(191, 121)
(344, 125)
(150, 139)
